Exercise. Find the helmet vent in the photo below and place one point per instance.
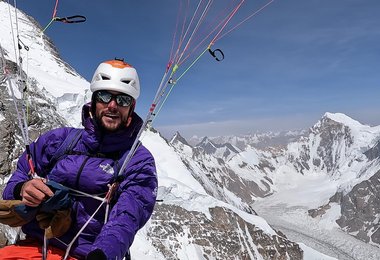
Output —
(105, 77)
(125, 81)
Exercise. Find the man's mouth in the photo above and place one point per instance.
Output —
(112, 116)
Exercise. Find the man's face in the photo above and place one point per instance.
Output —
(112, 116)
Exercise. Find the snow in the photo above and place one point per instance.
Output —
(53, 76)
(170, 169)
(343, 119)
(311, 254)
(180, 188)
(12, 89)
(185, 191)
(328, 220)
(287, 209)
(249, 243)
(308, 191)
(363, 134)
(188, 250)
(233, 199)
(142, 248)
(250, 156)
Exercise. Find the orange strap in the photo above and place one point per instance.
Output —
(30, 251)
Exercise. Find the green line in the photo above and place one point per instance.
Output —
(175, 82)
(52, 20)
(191, 65)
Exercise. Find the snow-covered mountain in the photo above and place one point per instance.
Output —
(257, 140)
(195, 222)
(336, 161)
(333, 145)
(318, 187)
(347, 152)
(188, 221)
(52, 91)
(65, 89)
(224, 151)
(331, 175)
(237, 179)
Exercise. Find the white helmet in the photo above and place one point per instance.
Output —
(116, 75)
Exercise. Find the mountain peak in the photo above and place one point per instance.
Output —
(342, 119)
(178, 138)
(206, 140)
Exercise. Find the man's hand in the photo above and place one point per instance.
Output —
(34, 192)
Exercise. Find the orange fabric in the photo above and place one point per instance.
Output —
(30, 251)
(118, 64)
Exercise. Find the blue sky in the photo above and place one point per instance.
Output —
(283, 69)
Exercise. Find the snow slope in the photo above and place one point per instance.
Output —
(287, 210)
(67, 89)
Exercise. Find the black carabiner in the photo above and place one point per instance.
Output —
(213, 54)
(21, 44)
(71, 19)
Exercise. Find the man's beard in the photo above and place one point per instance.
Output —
(104, 128)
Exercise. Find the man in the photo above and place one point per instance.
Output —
(110, 128)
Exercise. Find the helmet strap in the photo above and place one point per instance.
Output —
(131, 110)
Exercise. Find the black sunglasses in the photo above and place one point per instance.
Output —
(122, 100)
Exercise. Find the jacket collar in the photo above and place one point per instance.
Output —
(100, 141)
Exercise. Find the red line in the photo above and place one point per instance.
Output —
(225, 24)
(246, 19)
(55, 9)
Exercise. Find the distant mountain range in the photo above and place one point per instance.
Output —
(257, 140)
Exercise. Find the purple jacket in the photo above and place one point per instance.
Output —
(81, 170)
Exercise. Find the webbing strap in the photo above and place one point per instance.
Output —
(67, 145)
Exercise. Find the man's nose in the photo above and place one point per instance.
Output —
(112, 104)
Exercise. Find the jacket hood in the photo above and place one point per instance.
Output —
(108, 142)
